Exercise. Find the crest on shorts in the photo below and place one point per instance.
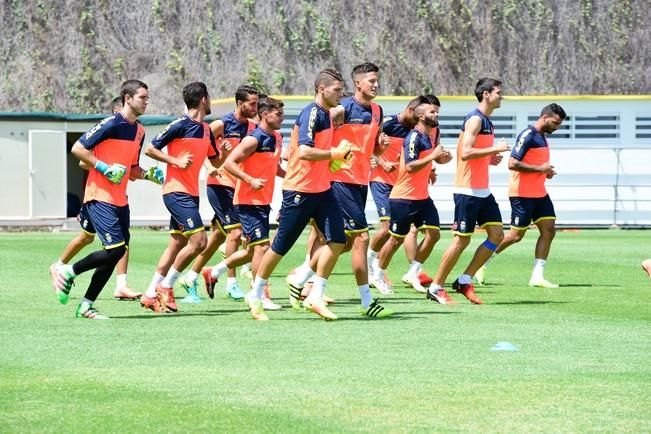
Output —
(462, 226)
(258, 233)
(190, 222)
(108, 237)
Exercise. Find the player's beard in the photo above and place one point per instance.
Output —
(431, 122)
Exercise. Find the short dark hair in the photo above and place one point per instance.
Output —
(130, 87)
(269, 104)
(364, 68)
(116, 104)
(243, 91)
(553, 109)
(485, 84)
(326, 77)
(193, 92)
(419, 100)
(433, 99)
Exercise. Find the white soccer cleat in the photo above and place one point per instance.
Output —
(267, 304)
(414, 282)
(381, 285)
(542, 283)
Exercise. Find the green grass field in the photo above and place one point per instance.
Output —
(583, 365)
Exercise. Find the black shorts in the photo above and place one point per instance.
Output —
(296, 212)
(524, 210)
(404, 212)
(470, 211)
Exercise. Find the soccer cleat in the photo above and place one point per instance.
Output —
(424, 279)
(306, 292)
(166, 296)
(85, 310)
(414, 282)
(209, 281)
(381, 285)
(480, 275)
(62, 285)
(319, 308)
(256, 307)
(191, 289)
(191, 299)
(270, 305)
(376, 310)
(441, 297)
(294, 293)
(126, 293)
(542, 283)
(152, 303)
(468, 291)
(235, 292)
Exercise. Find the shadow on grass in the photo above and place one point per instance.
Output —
(334, 273)
(534, 302)
(178, 314)
(398, 316)
(383, 300)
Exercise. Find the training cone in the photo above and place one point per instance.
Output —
(504, 346)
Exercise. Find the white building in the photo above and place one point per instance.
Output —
(602, 155)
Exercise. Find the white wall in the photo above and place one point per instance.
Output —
(584, 191)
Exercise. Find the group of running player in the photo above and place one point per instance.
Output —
(338, 148)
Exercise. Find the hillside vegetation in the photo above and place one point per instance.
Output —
(71, 55)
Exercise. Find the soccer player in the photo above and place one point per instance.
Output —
(188, 139)
(473, 201)
(362, 127)
(530, 168)
(112, 151)
(255, 164)
(382, 180)
(409, 200)
(232, 128)
(87, 233)
(307, 195)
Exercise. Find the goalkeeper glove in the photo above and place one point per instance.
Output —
(340, 155)
(114, 173)
(342, 151)
(155, 175)
(335, 165)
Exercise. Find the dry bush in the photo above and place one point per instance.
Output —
(71, 55)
